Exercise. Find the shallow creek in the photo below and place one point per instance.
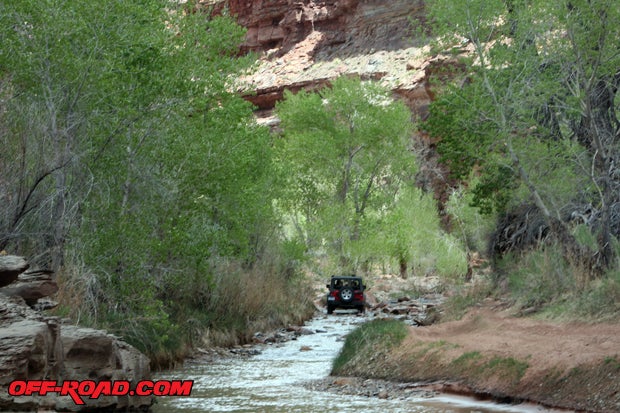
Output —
(276, 380)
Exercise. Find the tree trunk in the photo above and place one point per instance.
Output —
(403, 268)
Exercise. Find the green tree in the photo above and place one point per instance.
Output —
(127, 165)
(346, 152)
(537, 114)
(186, 183)
(410, 233)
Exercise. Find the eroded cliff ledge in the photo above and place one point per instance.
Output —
(357, 24)
(34, 346)
(305, 44)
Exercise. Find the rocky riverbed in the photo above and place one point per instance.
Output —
(491, 353)
(381, 389)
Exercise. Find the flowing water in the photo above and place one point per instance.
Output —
(273, 381)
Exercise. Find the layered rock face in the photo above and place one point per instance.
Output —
(38, 347)
(305, 44)
(358, 23)
(261, 18)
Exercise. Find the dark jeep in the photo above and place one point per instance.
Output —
(346, 291)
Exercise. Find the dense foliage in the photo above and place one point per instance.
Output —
(349, 187)
(129, 168)
(535, 119)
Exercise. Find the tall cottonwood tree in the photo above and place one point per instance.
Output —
(346, 153)
(537, 116)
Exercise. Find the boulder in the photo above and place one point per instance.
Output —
(31, 287)
(10, 267)
(30, 349)
(36, 347)
(90, 354)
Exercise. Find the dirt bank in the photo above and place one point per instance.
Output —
(490, 352)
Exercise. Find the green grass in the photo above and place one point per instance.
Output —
(475, 364)
(612, 361)
(537, 277)
(542, 279)
(597, 301)
(368, 339)
(467, 360)
(506, 367)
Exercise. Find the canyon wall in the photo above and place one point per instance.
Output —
(358, 24)
(34, 346)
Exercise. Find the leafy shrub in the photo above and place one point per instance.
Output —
(535, 277)
(600, 300)
(542, 279)
(411, 233)
(468, 224)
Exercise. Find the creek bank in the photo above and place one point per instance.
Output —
(34, 346)
(260, 341)
(495, 355)
(283, 378)
(385, 389)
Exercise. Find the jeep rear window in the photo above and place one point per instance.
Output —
(339, 283)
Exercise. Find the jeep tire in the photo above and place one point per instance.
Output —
(346, 295)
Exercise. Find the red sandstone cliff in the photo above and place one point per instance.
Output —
(356, 23)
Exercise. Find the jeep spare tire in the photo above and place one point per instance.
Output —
(346, 295)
